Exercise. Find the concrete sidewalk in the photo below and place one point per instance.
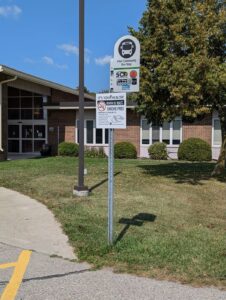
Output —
(27, 224)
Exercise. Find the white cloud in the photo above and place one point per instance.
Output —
(29, 60)
(49, 61)
(69, 49)
(7, 11)
(102, 61)
(72, 49)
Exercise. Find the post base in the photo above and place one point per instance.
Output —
(81, 192)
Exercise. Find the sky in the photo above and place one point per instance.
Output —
(41, 37)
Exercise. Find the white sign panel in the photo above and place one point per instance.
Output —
(125, 67)
(127, 52)
(111, 111)
(126, 80)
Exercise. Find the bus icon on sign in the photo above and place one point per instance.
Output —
(127, 48)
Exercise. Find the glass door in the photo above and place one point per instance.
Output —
(14, 138)
(26, 137)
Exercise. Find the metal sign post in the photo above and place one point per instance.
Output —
(111, 114)
(111, 186)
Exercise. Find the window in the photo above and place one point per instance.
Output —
(155, 133)
(145, 132)
(106, 136)
(93, 136)
(99, 136)
(166, 133)
(217, 139)
(89, 131)
(176, 132)
(23, 105)
(169, 132)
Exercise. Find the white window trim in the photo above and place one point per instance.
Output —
(160, 133)
(104, 144)
(214, 118)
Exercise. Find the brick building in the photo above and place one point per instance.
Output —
(34, 111)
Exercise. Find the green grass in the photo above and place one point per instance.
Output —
(170, 217)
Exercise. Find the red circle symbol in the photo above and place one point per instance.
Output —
(133, 74)
(101, 106)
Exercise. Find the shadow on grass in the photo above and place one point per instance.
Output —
(137, 220)
(192, 173)
(102, 182)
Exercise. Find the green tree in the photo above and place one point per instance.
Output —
(183, 66)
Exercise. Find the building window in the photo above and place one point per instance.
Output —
(99, 136)
(169, 133)
(93, 135)
(166, 133)
(217, 138)
(89, 131)
(145, 132)
(155, 133)
(176, 132)
(23, 105)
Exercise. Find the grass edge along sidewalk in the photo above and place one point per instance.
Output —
(170, 216)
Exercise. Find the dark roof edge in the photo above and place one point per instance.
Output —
(12, 72)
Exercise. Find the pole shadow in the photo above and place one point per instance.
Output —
(102, 182)
(137, 220)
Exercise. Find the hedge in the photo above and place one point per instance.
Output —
(125, 150)
(68, 149)
(158, 151)
(194, 149)
(95, 152)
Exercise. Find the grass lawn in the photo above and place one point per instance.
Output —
(170, 217)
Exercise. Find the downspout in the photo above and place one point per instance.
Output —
(1, 123)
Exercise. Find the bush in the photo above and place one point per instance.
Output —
(158, 151)
(68, 149)
(194, 149)
(125, 150)
(95, 152)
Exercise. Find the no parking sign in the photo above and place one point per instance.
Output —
(111, 111)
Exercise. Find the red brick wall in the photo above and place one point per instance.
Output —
(66, 122)
(58, 96)
(199, 129)
(132, 132)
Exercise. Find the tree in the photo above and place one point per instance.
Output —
(183, 66)
(86, 91)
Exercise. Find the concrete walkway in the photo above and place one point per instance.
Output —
(28, 224)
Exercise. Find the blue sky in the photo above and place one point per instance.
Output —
(41, 37)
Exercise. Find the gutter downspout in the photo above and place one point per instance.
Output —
(1, 123)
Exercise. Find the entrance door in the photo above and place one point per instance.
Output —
(25, 137)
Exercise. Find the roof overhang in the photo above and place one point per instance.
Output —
(24, 76)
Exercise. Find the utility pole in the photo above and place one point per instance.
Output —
(81, 190)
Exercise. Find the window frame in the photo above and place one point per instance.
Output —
(94, 144)
(214, 118)
(161, 133)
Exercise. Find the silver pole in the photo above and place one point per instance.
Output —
(110, 186)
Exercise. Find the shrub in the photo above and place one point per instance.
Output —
(194, 149)
(68, 149)
(95, 152)
(125, 150)
(158, 151)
